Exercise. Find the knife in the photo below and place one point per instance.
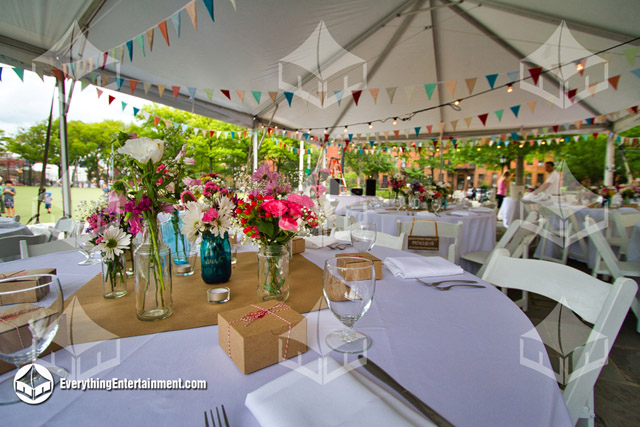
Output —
(422, 407)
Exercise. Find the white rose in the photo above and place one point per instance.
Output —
(143, 149)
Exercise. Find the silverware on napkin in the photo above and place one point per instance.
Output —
(422, 407)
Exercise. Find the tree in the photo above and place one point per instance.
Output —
(90, 145)
(29, 144)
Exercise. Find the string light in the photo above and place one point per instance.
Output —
(370, 125)
(326, 130)
(543, 142)
(456, 102)
(510, 88)
(345, 129)
(579, 67)
(395, 121)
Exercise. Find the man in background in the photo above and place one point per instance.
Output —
(551, 186)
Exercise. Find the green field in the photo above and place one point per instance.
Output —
(26, 201)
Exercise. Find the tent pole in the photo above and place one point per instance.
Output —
(64, 151)
(254, 140)
(301, 168)
(609, 166)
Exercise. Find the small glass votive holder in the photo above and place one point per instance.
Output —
(188, 268)
(218, 295)
(234, 253)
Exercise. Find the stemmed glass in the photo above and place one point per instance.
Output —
(349, 285)
(363, 236)
(86, 249)
(27, 329)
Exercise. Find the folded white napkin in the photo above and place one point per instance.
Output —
(347, 398)
(419, 266)
(317, 242)
(426, 213)
(481, 209)
(344, 235)
(460, 213)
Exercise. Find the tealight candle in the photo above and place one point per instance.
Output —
(218, 295)
(182, 269)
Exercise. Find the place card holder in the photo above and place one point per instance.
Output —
(423, 243)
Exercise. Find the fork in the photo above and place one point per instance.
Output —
(434, 284)
(446, 288)
(213, 421)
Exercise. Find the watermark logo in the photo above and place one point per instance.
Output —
(320, 71)
(33, 384)
(578, 72)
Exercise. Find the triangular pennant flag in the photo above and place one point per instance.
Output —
(168, 124)
(192, 93)
(613, 81)
(513, 75)
(631, 55)
(499, 114)
(555, 128)
(273, 96)
(175, 19)
(135, 111)
(147, 86)
(105, 55)
(409, 91)
(124, 105)
(338, 94)
(515, 110)
(592, 88)
(191, 10)
(467, 120)
(83, 83)
(535, 74)
(104, 81)
(57, 73)
(119, 81)
(483, 118)
(256, 95)
(163, 30)
(99, 92)
(233, 2)
(209, 5)
(209, 93)
(636, 72)
(396, 133)
(491, 78)
(150, 39)
(441, 126)
(391, 92)
(578, 124)
(289, 97)
(19, 72)
(417, 129)
(356, 95)
(93, 77)
(471, 83)
(454, 124)
(226, 93)
(140, 41)
(129, 49)
(132, 85)
(451, 86)
(374, 95)
(532, 105)
(589, 121)
(176, 91)
(571, 94)
(161, 90)
(111, 99)
(240, 94)
(429, 88)
(429, 128)
(156, 120)
(634, 109)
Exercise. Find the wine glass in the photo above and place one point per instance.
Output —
(86, 249)
(27, 328)
(363, 236)
(348, 285)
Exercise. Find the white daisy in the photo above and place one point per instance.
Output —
(220, 225)
(225, 206)
(114, 242)
(193, 221)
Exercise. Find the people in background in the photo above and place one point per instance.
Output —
(48, 199)
(8, 194)
(551, 186)
(503, 187)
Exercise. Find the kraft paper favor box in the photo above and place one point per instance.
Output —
(20, 282)
(14, 325)
(377, 263)
(298, 245)
(262, 334)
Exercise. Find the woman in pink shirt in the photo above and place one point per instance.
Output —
(503, 187)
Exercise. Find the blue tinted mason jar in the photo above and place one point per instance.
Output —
(215, 258)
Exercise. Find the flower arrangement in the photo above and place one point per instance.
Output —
(397, 183)
(629, 192)
(606, 191)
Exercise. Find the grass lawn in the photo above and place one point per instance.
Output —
(26, 202)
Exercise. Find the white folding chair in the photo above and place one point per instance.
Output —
(389, 241)
(10, 247)
(623, 224)
(343, 222)
(64, 225)
(428, 228)
(569, 233)
(30, 250)
(599, 303)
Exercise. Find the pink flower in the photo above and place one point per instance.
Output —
(171, 187)
(301, 200)
(210, 215)
(295, 210)
(190, 182)
(275, 207)
(116, 202)
(99, 240)
(287, 223)
(135, 225)
(187, 196)
(189, 161)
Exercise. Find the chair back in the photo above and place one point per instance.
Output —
(65, 225)
(604, 253)
(10, 246)
(43, 248)
(428, 228)
(599, 303)
(389, 241)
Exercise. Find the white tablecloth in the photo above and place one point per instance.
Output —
(12, 228)
(459, 351)
(508, 212)
(345, 201)
(633, 252)
(478, 229)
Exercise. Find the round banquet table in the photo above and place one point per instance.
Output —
(9, 227)
(461, 352)
(346, 200)
(478, 228)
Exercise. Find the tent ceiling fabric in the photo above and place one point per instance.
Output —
(394, 46)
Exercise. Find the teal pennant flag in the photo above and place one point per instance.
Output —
(209, 5)
(289, 97)
(20, 73)
(130, 49)
(429, 88)
(338, 94)
(516, 110)
(175, 18)
(256, 95)
(135, 111)
(499, 114)
(491, 78)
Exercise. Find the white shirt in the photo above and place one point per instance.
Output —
(554, 183)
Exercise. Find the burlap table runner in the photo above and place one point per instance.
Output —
(93, 318)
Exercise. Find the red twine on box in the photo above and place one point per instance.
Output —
(7, 317)
(251, 317)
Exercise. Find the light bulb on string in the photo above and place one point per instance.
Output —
(395, 121)
(579, 66)
(370, 125)
(510, 88)
(345, 129)
(456, 102)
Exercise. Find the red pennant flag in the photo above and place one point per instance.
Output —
(634, 109)
(535, 74)
(132, 85)
(555, 128)
(211, 133)
(99, 93)
(429, 127)
(397, 132)
(226, 93)
(163, 30)
(111, 99)
(156, 120)
(483, 118)
(595, 135)
(176, 90)
(269, 131)
(613, 81)
(326, 138)
(105, 55)
(356, 95)
(59, 76)
(572, 94)
(531, 143)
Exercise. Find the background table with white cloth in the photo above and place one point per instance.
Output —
(459, 351)
(9, 227)
(346, 200)
(633, 251)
